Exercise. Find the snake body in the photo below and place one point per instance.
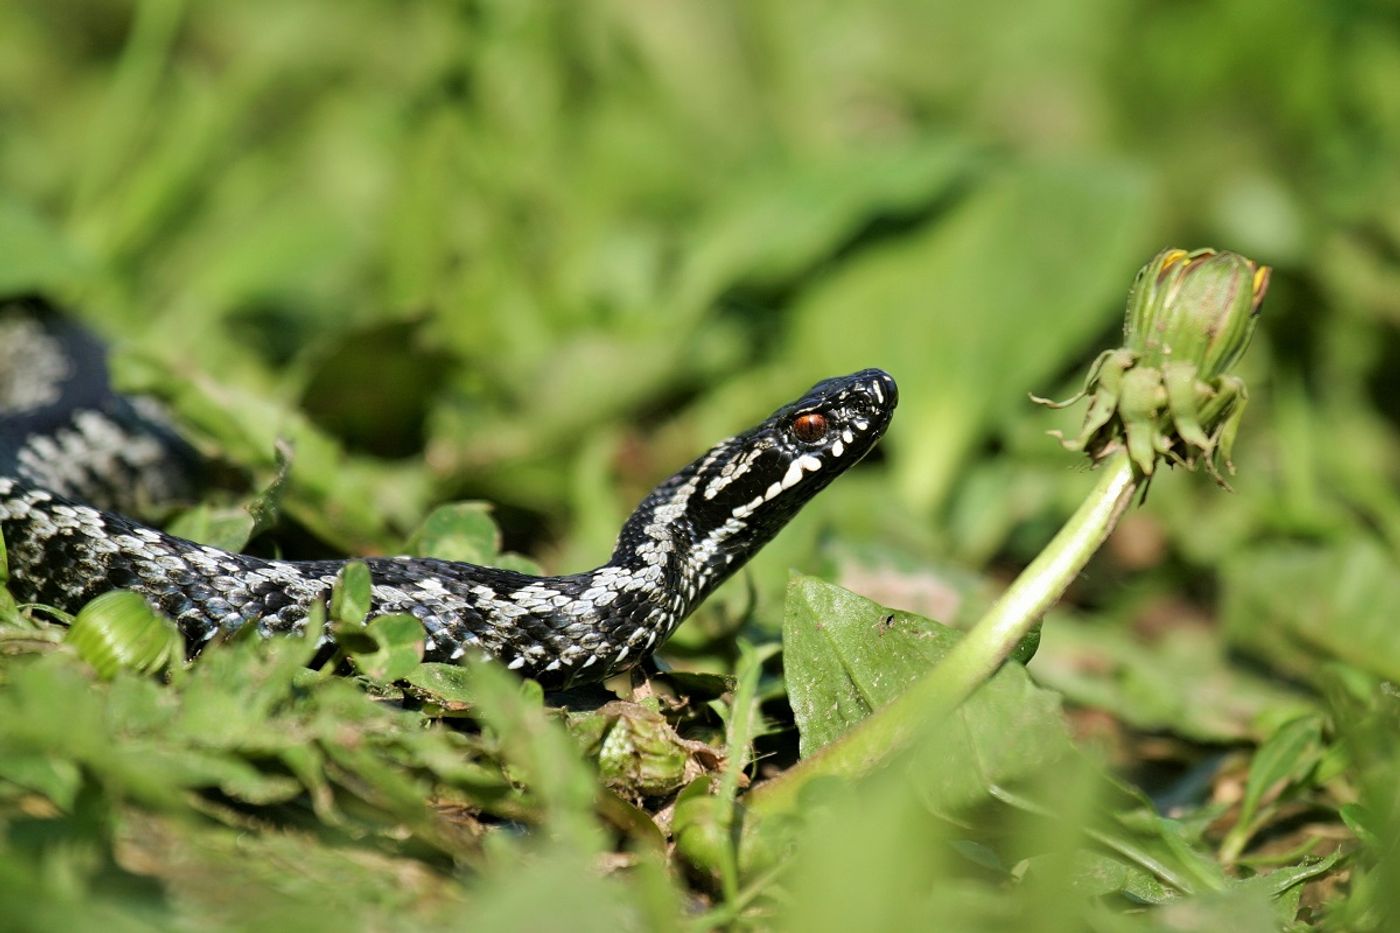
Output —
(73, 454)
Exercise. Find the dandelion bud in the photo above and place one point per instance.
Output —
(1166, 392)
(1197, 308)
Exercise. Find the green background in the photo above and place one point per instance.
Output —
(543, 253)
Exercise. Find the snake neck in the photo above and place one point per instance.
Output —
(701, 525)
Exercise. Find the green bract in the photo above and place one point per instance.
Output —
(1166, 391)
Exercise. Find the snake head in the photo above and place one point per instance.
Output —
(744, 490)
(703, 523)
(832, 426)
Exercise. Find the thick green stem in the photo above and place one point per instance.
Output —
(990, 642)
(976, 656)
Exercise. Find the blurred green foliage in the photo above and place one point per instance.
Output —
(540, 254)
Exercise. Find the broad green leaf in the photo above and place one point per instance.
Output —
(465, 531)
(119, 631)
(398, 642)
(845, 656)
(451, 682)
(462, 531)
(228, 529)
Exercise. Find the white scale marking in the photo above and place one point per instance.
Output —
(803, 464)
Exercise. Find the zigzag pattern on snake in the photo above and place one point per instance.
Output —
(73, 454)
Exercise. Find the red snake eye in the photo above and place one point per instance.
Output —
(810, 427)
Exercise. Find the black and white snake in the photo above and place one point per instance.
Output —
(73, 454)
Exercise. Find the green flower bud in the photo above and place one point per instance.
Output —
(1166, 392)
(1197, 307)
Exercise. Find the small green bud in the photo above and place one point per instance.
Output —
(1197, 307)
(1166, 392)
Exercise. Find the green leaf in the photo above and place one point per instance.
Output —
(1362, 823)
(465, 531)
(1286, 757)
(1299, 605)
(845, 656)
(228, 529)
(264, 507)
(1097, 873)
(1182, 680)
(462, 531)
(1278, 882)
(58, 779)
(398, 647)
(119, 631)
(351, 594)
(450, 682)
(231, 528)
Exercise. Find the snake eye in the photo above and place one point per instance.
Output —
(810, 427)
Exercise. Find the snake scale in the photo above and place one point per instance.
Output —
(74, 455)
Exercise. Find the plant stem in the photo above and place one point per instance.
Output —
(990, 642)
(976, 656)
